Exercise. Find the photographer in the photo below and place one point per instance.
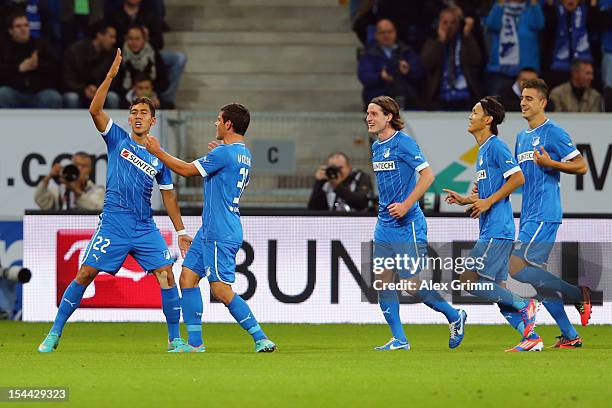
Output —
(338, 188)
(73, 189)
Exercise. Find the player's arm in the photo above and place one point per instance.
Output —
(96, 108)
(174, 212)
(173, 163)
(575, 165)
(454, 197)
(513, 182)
(426, 178)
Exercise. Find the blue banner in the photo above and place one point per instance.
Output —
(11, 254)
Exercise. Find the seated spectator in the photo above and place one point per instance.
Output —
(453, 63)
(141, 60)
(606, 40)
(29, 68)
(85, 65)
(511, 95)
(390, 68)
(71, 188)
(340, 188)
(143, 86)
(567, 36)
(132, 12)
(515, 27)
(577, 94)
(76, 17)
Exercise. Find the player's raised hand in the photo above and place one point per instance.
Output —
(112, 72)
(184, 242)
(152, 145)
(398, 210)
(212, 145)
(542, 158)
(479, 207)
(453, 197)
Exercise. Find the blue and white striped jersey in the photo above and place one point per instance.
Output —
(494, 165)
(396, 162)
(542, 191)
(130, 174)
(226, 174)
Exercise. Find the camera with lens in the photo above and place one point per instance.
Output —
(69, 174)
(332, 172)
(15, 274)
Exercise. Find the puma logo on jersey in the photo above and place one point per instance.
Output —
(138, 162)
(481, 175)
(525, 156)
(383, 166)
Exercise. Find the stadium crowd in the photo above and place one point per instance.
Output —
(54, 53)
(447, 54)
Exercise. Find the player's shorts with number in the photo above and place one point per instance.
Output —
(536, 241)
(212, 259)
(119, 234)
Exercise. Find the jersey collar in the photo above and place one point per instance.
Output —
(392, 136)
(486, 141)
(531, 130)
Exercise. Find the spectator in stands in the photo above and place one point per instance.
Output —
(141, 60)
(511, 95)
(515, 26)
(453, 63)
(69, 189)
(566, 36)
(577, 94)
(390, 68)
(85, 65)
(338, 187)
(606, 40)
(76, 17)
(143, 86)
(132, 12)
(29, 68)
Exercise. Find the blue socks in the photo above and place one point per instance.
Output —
(556, 310)
(499, 295)
(541, 279)
(513, 317)
(243, 315)
(389, 304)
(433, 299)
(192, 315)
(70, 301)
(171, 305)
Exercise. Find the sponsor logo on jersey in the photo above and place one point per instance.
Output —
(138, 162)
(481, 175)
(383, 166)
(525, 156)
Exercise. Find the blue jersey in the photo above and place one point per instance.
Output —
(493, 166)
(542, 191)
(130, 174)
(396, 162)
(226, 174)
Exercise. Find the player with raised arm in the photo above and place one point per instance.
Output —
(401, 228)
(126, 224)
(225, 170)
(497, 176)
(543, 151)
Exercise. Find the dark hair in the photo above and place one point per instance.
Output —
(14, 15)
(141, 76)
(145, 100)
(492, 107)
(578, 62)
(339, 153)
(389, 106)
(83, 154)
(239, 115)
(529, 69)
(538, 84)
(101, 27)
(135, 26)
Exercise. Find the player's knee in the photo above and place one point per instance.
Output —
(163, 277)
(222, 293)
(516, 264)
(86, 275)
(468, 276)
(188, 279)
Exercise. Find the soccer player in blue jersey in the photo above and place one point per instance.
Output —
(225, 170)
(543, 151)
(497, 176)
(126, 224)
(401, 228)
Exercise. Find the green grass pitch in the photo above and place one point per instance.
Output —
(125, 365)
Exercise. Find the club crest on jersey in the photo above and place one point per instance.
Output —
(138, 163)
(525, 156)
(386, 153)
(154, 161)
(535, 141)
(481, 175)
(384, 166)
